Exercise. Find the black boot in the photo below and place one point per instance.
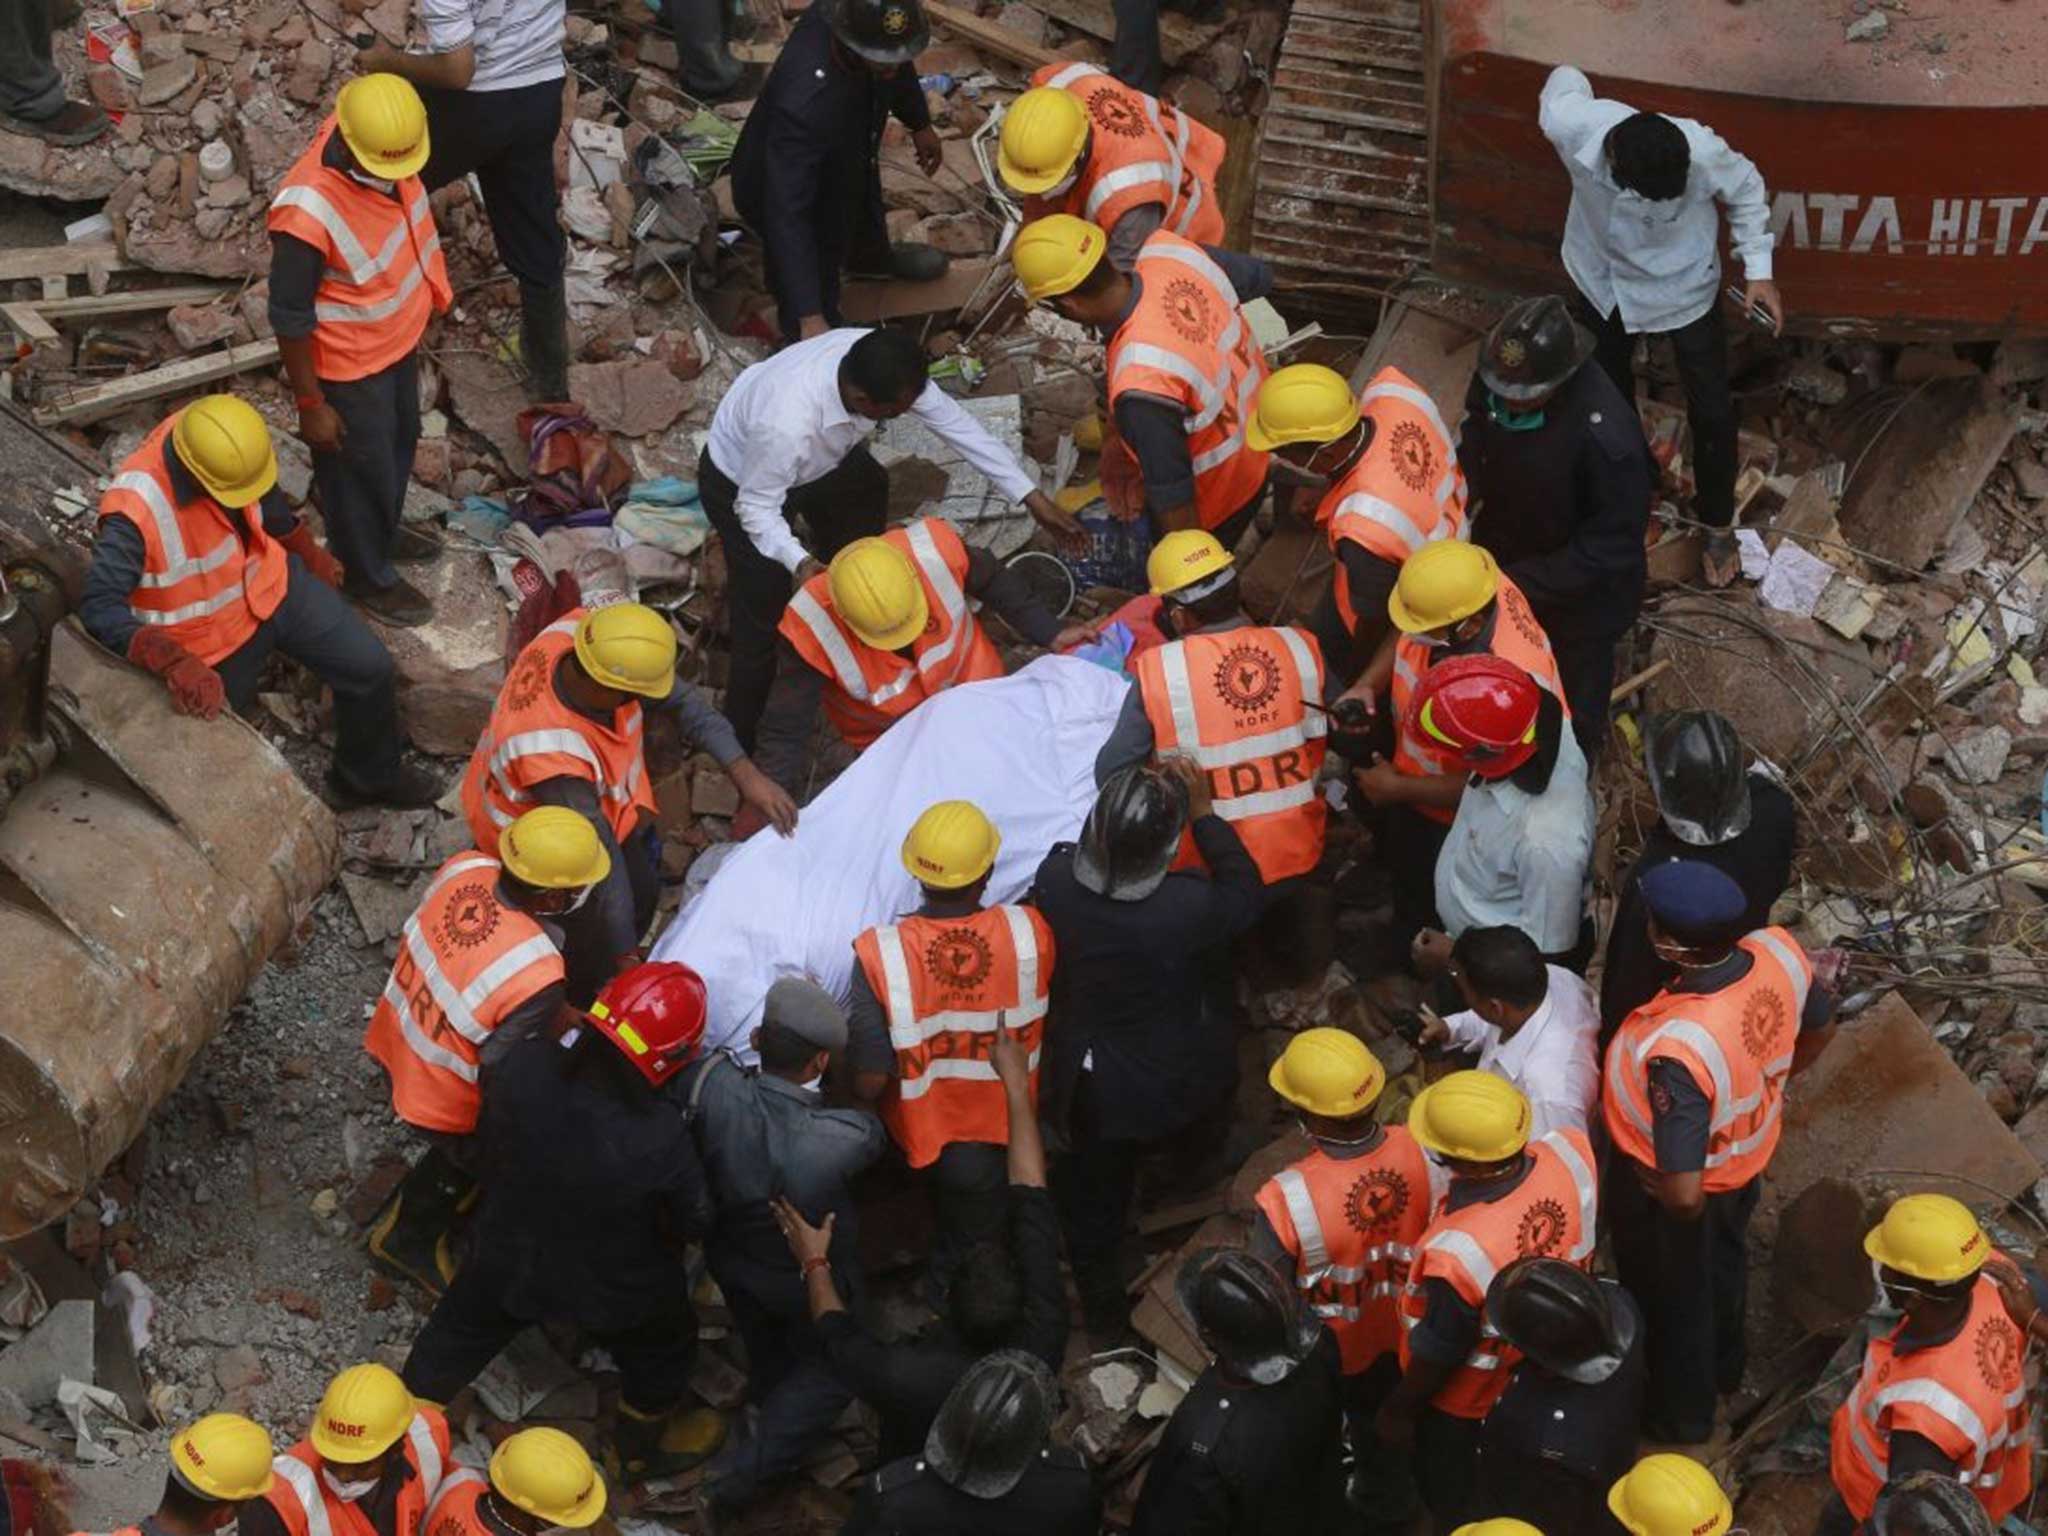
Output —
(410, 1237)
(544, 340)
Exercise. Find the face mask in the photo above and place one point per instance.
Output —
(1508, 419)
(1294, 474)
(347, 1492)
(375, 183)
(1432, 639)
(576, 901)
(1884, 1308)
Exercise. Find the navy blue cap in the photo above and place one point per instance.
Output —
(1692, 900)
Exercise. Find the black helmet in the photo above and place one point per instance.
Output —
(1561, 1318)
(1536, 346)
(1132, 833)
(1699, 775)
(993, 1424)
(1251, 1318)
(1928, 1504)
(881, 31)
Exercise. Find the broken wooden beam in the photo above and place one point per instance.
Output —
(26, 323)
(868, 301)
(991, 38)
(30, 318)
(117, 394)
(60, 261)
(1178, 36)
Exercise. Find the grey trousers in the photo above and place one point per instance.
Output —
(705, 65)
(30, 86)
(362, 484)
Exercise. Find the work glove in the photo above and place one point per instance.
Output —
(195, 687)
(317, 561)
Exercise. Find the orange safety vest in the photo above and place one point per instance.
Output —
(868, 690)
(210, 576)
(1188, 341)
(454, 1511)
(533, 735)
(465, 962)
(385, 275)
(306, 1508)
(1736, 1044)
(1516, 637)
(1968, 1396)
(1352, 1225)
(1141, 150)
(944, 983)
(1235, 701)
(1549, 1214)
(1405, 491)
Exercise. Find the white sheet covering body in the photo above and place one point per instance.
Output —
(1021, 747)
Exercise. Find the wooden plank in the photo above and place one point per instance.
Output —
(23, 320)
(137, 302)
(1178, 37)
(1000, 41)
(118, 394)
(59, 261)
(865, 301)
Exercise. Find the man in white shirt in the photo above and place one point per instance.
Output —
(1642, 245)
(789, 441)
(1536, 1025)
(491, 77)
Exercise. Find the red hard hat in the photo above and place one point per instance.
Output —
(654, 1013)
(1482, 710)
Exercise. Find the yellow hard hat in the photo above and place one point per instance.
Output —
(1929, 1237)
(1055, 254)
(1301, 403)
(1472, 1116)
(226, 445)
(1043, 135)
(875, 589)
(384, 124)
(1328, 1072)
(1669, 1495)
(951, 845)
(550, 1476)
(630, 647)
(362, 1413)
(1503, 1525)
(224, 1456)
(1182, 558)
(554, 848)
(1440, 584)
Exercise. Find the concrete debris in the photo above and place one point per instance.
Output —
(1869, 27)
(634, 398)
(1916, 481)
(56, 1350)
(1979, 756)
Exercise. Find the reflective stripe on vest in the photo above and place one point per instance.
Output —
(1174, 168)
(1379, 1210)
(1745, 1115)
(457, 1500)
(304, 1484)
(426, 1456)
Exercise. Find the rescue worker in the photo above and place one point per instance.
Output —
(806, 173)
(888, 624)
(1669, 1495)
(219, 1466)
(1565, 1427)
(766, 1138)
(491, 79)
(1140, 1050)
(788, 444)
(1235, 698)
(1944, 1389)
(1344, 1222)
(1183, 365)
(539, 1480)
(356, 272)
(1713, 806)
(1508, 1198)
(200, 572)
(1561, 483)
(479, 965)
(1384, 474)
(1520, 847)
(1254, 1447)
(1530, 1022)
(1642, 244)
(1694, 1088)
(591, 1187)
(373, 1462)
(989, 1464)
(1008, 1294)
(936, 986)
(567, 730)
(1082, 142)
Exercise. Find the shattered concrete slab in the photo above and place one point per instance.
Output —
(1916, 481)
(966, 499)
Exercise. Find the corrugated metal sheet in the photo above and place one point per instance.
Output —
(1341, 207)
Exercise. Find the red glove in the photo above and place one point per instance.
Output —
(195, 687)
(322, 565)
